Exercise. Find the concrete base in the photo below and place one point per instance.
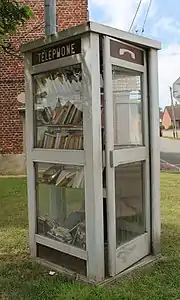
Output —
(12, 164)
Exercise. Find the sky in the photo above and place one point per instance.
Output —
(163, 25)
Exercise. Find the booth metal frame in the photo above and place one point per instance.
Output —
(91, 158)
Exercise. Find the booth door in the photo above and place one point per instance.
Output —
(127, 164)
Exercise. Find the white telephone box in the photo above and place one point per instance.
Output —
(93, 161)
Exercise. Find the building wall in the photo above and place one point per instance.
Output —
(166, 121)
(69, 13)
(178, 124)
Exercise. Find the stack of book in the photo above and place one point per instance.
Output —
(70, 177)
(67, 114)
(69, 136)
(62, 140)
(63, 115)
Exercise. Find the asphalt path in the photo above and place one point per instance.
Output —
(170, 151)
(172, 158)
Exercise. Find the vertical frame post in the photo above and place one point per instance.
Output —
(154, 150)
(29, 147)
(93, 156)
(146, 173)
(109, 138)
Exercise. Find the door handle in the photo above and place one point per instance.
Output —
(111, 160)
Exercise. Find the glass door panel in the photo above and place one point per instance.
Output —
(127, 159)
(127, 101)
(129, 202)
(129, 178)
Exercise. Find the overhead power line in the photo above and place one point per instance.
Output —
(146, 16)
(137, 9)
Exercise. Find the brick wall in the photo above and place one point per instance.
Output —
(69, 13)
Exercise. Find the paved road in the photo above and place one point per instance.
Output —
(170, 151)
(172, 158)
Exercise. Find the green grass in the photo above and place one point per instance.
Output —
(21, 279)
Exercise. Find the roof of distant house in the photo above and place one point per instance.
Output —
(176, 112)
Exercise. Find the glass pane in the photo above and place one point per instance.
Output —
(127, 99)
(59, 109)
(61, 203)
(129, 202)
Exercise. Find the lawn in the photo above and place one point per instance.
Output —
(21, 279)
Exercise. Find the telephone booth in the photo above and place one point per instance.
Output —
(93, 160)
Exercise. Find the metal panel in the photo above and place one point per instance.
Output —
(124, 35)
(132, 252)
(110, 180)
(154, 150)
(94, 27)
(126, 52)
(30, 167)
(54, 52)
(93, 157)
(69, 157)
(130, 155)
(61, 247)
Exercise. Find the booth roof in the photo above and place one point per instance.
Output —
(92, 27)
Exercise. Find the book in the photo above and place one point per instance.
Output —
(66, 109)
(50, 175)
(71, 177)
(57, 141)
(79, 178)
(41, 141)
(72, 115)
(78, 117)
(67, 116)
(70, 140)
(65, 177)
(57, 114)
(49, 140)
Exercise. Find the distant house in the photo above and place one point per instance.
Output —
(167, 119)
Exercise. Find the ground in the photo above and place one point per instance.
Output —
(170, 150)
(20, 279)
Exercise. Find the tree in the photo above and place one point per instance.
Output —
(12, 15)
